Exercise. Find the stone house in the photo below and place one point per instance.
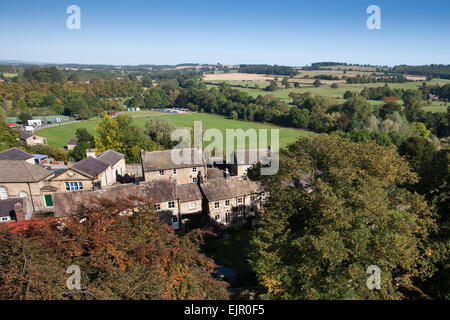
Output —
(232, 199)
(30, 139)
(101, 171)
(117, 162)
(158, 165)
(17, 154)
(242, 160)
(71, 144)
(20, 179)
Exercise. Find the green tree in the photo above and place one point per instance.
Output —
(160, 131)
(84, 136)
(317, 83)
(120, 135)
(345, 210)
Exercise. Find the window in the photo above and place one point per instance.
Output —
(227, 217)
(80, 185)
(240, 200)
(48, 200)
(252, 209)
(171, 204)
(217, 217)
(194, 169)
(23, 194)
(191, 205)
(161, 172)
(157, 207)
(227, 203)
(67, 186)
(252, 197)
(74, 186)
(174, 171)
(216, 205)
(3, 194)
(174, 219)
(194, 180)
(5, 218)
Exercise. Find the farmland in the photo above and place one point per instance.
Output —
(58, 136)
(256, 88)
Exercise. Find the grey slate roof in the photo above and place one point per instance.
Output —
(188, 192)
(15, 154)
(162, 160)
(7, 206)
(12, 171)
(111, 156)
(232, 187)
(91, 166)
(72, 141)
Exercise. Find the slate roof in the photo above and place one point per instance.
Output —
(252, 156)
(24, 135)
(91, 166)
(162, 160)
(188, 192)
(68, 203)
(14, 171)
(111, 156)
(7, 206)
(232, 187)
(15, 154)
(72, 141)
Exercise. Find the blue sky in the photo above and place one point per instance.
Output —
(284, 32)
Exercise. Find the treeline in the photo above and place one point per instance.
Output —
(320, 65)
(375, 79)
(433, 70)
(267, 69)
(46, 74)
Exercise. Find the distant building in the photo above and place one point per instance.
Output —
(34, 122)
(12, 210)
(116, 161)
(159, 165)
(72, 143)
(434, 97)
(30, 139)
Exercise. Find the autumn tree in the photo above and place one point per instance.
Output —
(160, 131)
(123, 251)
(335, 208)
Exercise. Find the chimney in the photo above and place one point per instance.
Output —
(226, 174)
(90, 153)
(199, 178)
(18, 209)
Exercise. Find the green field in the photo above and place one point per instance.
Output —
(326, 90)
(58, 136)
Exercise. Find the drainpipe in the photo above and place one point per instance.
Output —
(31, 197)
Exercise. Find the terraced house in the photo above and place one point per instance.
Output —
(159, 165)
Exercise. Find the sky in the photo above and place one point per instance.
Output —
(283, 32)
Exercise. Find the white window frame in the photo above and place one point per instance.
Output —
(194, 180)
(158, 207)
(192, 205)
(217, 217)
(240, 200)
(4, 195)
(161, 172)
(194, 169)
(171, 204)
(216, 205)
(227, 203)
(174, 172)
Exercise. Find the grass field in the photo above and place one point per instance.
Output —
(58, 136)
(326, 90)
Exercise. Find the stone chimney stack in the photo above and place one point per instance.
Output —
(90, 153)
(19, 211)
(226, 173)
